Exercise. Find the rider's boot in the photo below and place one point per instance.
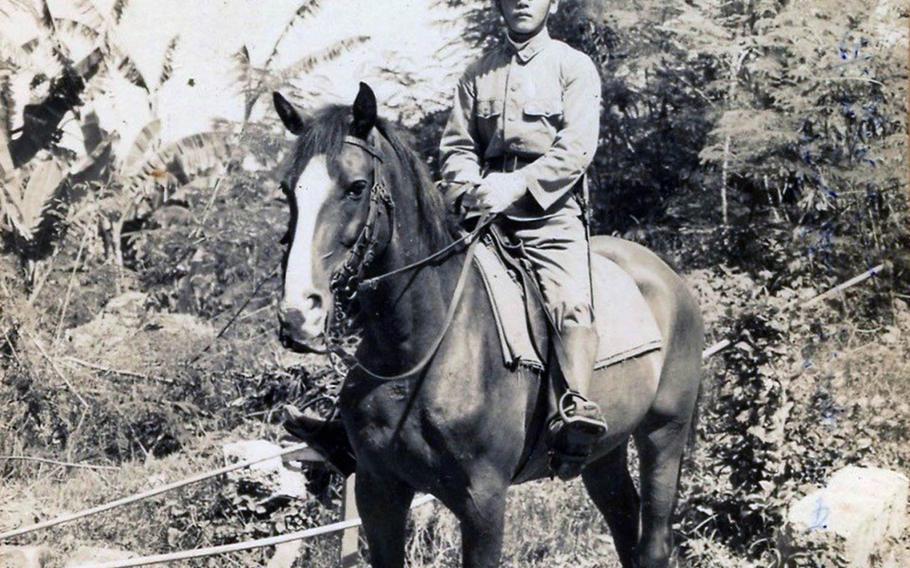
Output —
(327, 437)
(578, 424)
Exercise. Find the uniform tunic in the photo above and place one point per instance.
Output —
(535, 106)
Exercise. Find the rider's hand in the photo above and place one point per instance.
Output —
(499, 190)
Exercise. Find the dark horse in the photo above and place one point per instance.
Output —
(463, 427)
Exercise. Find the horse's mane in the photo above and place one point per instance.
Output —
(324, 133)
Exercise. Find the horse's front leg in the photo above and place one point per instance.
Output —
(383, 503)
(481, 511)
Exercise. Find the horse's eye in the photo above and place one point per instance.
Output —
(356, 189)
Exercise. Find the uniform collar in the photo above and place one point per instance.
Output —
(526, 51)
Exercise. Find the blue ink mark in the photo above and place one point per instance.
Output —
(820, 515)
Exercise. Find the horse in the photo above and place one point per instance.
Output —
(430, 405)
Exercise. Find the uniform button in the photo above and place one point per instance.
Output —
(513, 87)
(511, 119)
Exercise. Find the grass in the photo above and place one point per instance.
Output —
(192, 517)
(549, 523)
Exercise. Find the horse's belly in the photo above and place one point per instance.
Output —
(626, 391)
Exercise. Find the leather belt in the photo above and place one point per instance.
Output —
(506, 163)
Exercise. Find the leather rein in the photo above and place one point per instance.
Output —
(347, 281)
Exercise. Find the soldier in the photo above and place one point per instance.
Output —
(522, 132)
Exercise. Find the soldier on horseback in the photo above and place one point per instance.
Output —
(522, 133)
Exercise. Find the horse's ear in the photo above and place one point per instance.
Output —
(364, 111)
(289, 115)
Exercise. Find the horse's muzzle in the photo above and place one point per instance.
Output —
(299, 346)
(300, 332)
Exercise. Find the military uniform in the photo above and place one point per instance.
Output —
(533, 108)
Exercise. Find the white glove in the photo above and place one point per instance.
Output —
(499, 190)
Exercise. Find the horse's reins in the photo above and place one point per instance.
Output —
(347, 280)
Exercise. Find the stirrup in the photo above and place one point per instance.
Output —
(581, 414)
(573, 436)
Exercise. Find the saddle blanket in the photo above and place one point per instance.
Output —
(625, 323)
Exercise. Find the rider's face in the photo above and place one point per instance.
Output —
(526, 17)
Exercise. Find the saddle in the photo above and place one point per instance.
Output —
(625, 325)
(495, 246)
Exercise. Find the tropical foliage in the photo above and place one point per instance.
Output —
(758, 145)
(44, 179)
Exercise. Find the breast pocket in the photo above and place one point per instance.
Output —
(550, 109)
(541, 121)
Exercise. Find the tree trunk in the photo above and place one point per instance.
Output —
(735, 68)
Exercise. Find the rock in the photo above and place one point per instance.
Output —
(19, 513)
(271, 474)
(86, 554)
(24, 556)
(127, 304)
(127, 335)
(863, 507)
(285, 554)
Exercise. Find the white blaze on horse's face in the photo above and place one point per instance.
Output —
(306, 295)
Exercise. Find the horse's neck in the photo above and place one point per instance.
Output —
(406, 312)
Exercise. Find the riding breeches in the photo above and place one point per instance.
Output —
(557, 248)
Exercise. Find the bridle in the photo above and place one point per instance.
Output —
(347, 281)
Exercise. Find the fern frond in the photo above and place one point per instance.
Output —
(141, 146)
(181, 161)
(13, 57)
(26, 6)
(129, 70)
(10, 189)
(95, 162)
(167, 65)
(91, 15)
(70, 26)
(308, 93)
(26, 209)
(118, 9)
(31, 45)
(47, 21)
(46, 18)
(7, 109)
(308, 8)
(243, 66)
(99, 85)
(243, 76)
(308, 63)
(7, 168)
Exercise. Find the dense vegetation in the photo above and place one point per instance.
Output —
(758, 145)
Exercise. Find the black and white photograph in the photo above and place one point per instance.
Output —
(454, 283)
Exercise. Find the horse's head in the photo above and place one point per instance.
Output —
(338, 222)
